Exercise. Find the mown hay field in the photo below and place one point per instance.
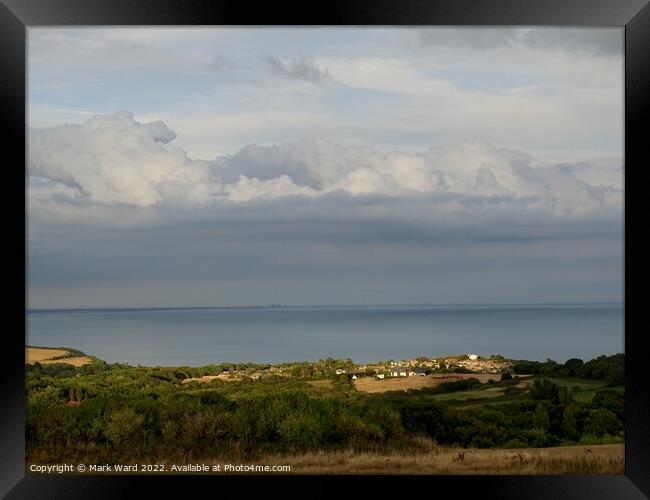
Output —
(372, 385)
(48, 356)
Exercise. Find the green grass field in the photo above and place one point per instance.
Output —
(494, 395)
(588, 388)
(584, 384)
(467, 395)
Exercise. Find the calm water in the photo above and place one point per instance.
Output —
(197, 337)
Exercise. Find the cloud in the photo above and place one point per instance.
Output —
(115, 164)
(603, 41)
(113, 160)
(385, 89)
(296, 69)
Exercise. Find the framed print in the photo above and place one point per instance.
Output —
(371, 239)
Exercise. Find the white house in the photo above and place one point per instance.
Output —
(379, 375)
(472, 357)
(402, 371)
(339, 371)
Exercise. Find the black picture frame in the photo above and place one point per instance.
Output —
(17, 15)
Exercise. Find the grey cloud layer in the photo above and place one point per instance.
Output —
(298, 69)
(121, 216)
(112, 164)
(605, 41)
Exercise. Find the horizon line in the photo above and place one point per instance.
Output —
(298, 306)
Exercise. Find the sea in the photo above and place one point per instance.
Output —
(202, 336)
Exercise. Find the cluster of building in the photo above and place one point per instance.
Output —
(405, 368)
(402, 371)
(423, 366)
(484, 365)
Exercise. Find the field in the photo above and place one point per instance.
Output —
(46, 356)
(582, 390)
(492, 392)
(33, 354)
(372, 385)
(598, 459)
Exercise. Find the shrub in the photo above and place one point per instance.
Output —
(539, 438)
(601, 421)
(122, 426)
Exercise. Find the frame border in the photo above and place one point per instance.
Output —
(17, 15)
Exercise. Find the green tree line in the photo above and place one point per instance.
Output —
(124, 412)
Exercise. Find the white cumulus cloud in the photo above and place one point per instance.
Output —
(115, 161)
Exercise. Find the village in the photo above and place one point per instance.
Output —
(390, 369)
(422, 366)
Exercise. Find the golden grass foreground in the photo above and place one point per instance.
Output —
(597, 459)
(567, 460)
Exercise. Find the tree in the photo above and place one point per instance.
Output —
(122, 426)
(611, 400)
(550, 367)
(569, 424)
(564, 396)
(538, 438)
(545, 390)
(525, 367)
(600, 422)
(615, 375)
(573, 367)
(540, 418)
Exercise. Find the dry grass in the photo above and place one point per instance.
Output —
(206, 379)
(430, 459)
(597, 459)
(78, 361)
(33, 354)
(45, 356)
(369, 384)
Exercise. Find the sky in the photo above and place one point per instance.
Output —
(248, 166)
